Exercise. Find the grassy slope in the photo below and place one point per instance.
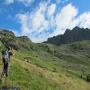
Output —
(60, 70)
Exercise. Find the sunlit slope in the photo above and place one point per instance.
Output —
(49, 67)
(27, 76)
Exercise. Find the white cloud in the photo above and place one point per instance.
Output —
(38, 20)
(84, 20)
(36, 24)
(61, 1)
(51, 9)
(58, 1)
(24, 20)
(9, 1)
(25, 2)
(65, 18)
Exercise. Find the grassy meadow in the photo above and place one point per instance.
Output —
(49, 67)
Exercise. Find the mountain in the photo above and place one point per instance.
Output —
(76, 34)
(45, 66)
(9, 39)
(50, 67)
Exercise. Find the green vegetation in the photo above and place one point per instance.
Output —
(76, 34)
(9, 39)
(49, 67)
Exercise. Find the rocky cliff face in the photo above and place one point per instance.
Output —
(76, 34)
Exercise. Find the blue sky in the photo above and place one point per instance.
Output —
(41, 19)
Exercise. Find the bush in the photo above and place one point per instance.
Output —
(88, 77)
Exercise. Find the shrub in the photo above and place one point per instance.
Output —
(88, 77)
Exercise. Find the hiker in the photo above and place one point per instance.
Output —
(6, 54)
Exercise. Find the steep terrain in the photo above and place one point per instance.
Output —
(9, 39)
(48, 67)
(76, 34)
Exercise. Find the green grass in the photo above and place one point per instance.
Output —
(42, 69)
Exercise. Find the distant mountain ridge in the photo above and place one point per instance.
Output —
(8, 38)
(76, 34)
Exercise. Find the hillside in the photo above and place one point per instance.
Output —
(9, 39)
(48, 67)
(76, 34)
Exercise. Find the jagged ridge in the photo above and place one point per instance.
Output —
(76, 34)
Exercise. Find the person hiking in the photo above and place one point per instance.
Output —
(6, 54)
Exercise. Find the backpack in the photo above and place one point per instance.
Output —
(6, 56)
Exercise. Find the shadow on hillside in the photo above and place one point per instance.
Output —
(9, 88)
